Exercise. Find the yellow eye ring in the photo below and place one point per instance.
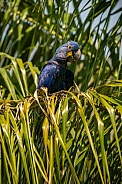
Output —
(69, 46)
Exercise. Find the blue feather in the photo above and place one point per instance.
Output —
(54, 75)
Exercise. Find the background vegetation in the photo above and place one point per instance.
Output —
(68, 137)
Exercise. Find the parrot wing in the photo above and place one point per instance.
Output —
(46, 76)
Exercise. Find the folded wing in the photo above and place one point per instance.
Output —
(46, 77)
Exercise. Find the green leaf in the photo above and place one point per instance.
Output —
(8, 83)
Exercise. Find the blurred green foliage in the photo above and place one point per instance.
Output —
(32, 30)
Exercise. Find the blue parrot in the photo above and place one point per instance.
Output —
(55, 76)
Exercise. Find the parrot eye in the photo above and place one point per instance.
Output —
(69, 46)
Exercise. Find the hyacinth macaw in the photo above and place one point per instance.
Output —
(55, 76)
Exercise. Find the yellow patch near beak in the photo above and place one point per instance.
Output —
(69, 54)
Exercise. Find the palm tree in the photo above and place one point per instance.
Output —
(72, 136)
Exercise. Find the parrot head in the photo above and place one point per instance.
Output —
(68, 52)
